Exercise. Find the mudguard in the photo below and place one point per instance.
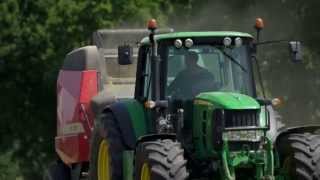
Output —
(131, 120)
(297, 129)
(153, 137)
(278, 129)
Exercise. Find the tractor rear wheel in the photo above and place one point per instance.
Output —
(160, 160)
(106, 149)
(302, 156)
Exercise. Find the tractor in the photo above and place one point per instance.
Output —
(193, 112)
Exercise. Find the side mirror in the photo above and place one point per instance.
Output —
(125, 55)
(295, 51)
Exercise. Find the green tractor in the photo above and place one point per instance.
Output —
(196, 115)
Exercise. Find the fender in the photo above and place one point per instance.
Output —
(153, 137)
(130, 117)
(296, 129)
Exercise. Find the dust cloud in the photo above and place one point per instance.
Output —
(293, 82)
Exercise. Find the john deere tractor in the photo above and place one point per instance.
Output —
(194, 114)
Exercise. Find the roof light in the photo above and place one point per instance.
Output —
(227, 41)
(178, 43)
(188, 43)
(238, 42)
(259, 24)
(152, 24)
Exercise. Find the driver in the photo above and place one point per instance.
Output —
(192, 80)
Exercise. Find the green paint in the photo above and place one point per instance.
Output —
(263, 116)
(227, 171)
(209, 127)
(202, 130)
(202, 124)
(263, 161)
(241, 158)
(127, 164)
(197, 34)
(269, 158)
(204, 106)
(229, 100)
(136, 111)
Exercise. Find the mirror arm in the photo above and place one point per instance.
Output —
(272, 42)
(276, 41)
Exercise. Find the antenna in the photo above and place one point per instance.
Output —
(259, 25)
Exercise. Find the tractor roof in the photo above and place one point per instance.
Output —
(174, 35)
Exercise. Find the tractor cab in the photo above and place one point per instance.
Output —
(194, 62)
(207, 65)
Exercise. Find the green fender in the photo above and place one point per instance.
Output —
(130, 117)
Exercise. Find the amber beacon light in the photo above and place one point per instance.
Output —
(259, 23)
(152, 24)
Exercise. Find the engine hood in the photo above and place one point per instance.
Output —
(227, 100)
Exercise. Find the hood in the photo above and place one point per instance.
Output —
(228, 100)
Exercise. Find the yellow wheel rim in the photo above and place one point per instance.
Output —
(145, 172)
(104, 161)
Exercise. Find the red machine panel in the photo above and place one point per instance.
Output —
(74, 116)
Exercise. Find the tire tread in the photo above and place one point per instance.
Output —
(305, 149)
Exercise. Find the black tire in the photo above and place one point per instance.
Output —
(57, 171)
(107, 129)
(301, 156)
(165, 158)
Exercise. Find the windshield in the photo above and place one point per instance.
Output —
(204, 68)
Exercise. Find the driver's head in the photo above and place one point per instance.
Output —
(191, 59)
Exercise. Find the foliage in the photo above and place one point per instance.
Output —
(34, 37)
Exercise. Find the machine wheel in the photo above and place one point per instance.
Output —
(160, 160)
(57, 171)
(302, 160)
(106, 150)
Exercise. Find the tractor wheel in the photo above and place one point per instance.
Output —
(302, 156)
(57, 171)
(106, 150)
(160, 160)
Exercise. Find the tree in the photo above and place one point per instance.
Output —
(35, 36)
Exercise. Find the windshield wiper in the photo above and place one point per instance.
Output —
(233, 60)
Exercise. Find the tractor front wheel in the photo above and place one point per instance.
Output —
(160, 160)
(301, 157)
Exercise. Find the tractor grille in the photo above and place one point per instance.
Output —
(233, 119)
(238, 146)
(241, 118)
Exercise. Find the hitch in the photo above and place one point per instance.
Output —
(262, 160)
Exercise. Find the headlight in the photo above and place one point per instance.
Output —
(243, 135)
